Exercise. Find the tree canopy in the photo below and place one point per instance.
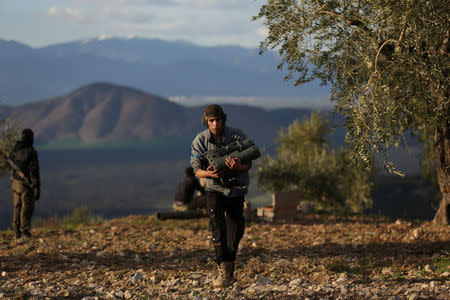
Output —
(9, 134)
(384, 60)
(388, 63)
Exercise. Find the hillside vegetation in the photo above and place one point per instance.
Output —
(315, 257)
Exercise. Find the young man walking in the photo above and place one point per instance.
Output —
(224, 197)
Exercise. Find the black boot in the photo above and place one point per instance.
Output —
(232, 278)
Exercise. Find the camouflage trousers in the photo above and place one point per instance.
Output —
(23, 201)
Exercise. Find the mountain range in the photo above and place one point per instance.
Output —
(108, 113)
(165, 68)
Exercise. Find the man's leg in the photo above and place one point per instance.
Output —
(17, 203)
(17, 190)
(27, 211)
(217, 224)
(235, 229)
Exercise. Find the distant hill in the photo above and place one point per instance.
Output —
(107, 113)
(161, 67)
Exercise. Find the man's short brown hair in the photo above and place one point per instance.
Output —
(213, 110)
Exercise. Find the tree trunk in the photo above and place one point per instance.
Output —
(442, 163)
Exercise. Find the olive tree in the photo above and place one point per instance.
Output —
(307, 162)
(387, 62)
(9, 134)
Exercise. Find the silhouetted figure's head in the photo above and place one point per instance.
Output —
(27, 136)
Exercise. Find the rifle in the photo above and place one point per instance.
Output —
(13, 166)
(245, 150)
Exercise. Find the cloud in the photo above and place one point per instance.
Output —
(218, 4)
(131, 2)
(69, 14)
(263, 32)
(127, 16)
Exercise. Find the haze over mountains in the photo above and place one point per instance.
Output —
(155, 66)
(104, 112)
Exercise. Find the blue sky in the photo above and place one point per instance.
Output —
(39, 23)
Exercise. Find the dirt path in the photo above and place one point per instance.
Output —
(316, 257)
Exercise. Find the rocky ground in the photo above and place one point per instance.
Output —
(315, 257)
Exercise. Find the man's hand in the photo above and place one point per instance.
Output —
(213, 173)
(208, 173)
(233, 163)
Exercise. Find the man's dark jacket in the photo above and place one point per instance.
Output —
(26, 159)
(186, 188)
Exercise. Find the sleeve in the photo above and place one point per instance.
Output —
(240, 135)
(196, 151)
(243, 136)
(34, 169)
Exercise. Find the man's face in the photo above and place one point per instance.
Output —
(215, 125)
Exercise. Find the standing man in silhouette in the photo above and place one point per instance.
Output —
(25, 190)
(224, 200)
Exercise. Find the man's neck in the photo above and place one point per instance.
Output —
(218, 138)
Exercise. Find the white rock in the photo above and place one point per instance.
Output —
(121, 253)
(416, 233)
(413, 296)
(327, 288)
(171, 283)
(137, 278)
(4, 274)
(83, 263)
(2, 295)
(386, 271)
(263, 280)
(296, 281)
(429, 268)
(208, 280)
(280, 288)
(128, 294)
(119, 294)
(37, 292)
(342, 278)
(90, 298)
